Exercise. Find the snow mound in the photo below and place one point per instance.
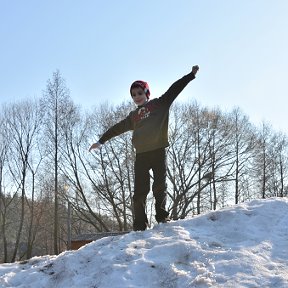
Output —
(245, 245)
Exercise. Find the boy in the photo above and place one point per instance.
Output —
(149, 122)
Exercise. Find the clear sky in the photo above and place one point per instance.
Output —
(101, 47)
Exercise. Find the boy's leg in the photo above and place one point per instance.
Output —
(141, 190)
(159, 185)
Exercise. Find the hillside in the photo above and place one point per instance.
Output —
(241, 246)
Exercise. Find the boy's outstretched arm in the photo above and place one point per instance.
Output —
(119, 128)
(176, 88)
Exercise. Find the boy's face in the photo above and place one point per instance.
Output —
(138, 96)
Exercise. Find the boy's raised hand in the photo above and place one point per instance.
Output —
(95, 146)
(195, 69)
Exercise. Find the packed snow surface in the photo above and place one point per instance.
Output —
(245, 245)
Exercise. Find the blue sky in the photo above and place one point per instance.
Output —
(101, 47)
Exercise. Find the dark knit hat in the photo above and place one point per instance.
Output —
(142, 84)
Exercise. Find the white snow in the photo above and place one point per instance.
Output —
(245, 245)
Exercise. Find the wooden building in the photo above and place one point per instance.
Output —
(83, 239)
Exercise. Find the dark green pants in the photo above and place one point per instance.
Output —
(156, 161)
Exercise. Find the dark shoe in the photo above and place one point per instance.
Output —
(164, 220)
(140, 227)
(162, 216)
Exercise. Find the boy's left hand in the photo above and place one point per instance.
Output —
(195, 69)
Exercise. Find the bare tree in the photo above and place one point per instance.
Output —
(100, 181)
(243, 137)
(220, 156)
(187, 160)
(263, 159)
(22, 121)
(201, 158)
(279, 161)
(34, 201)
(3, 157)
(75, 170)
(56, 99)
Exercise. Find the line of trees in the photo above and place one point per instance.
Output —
(214, 159)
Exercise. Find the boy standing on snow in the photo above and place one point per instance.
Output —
(149, 122)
